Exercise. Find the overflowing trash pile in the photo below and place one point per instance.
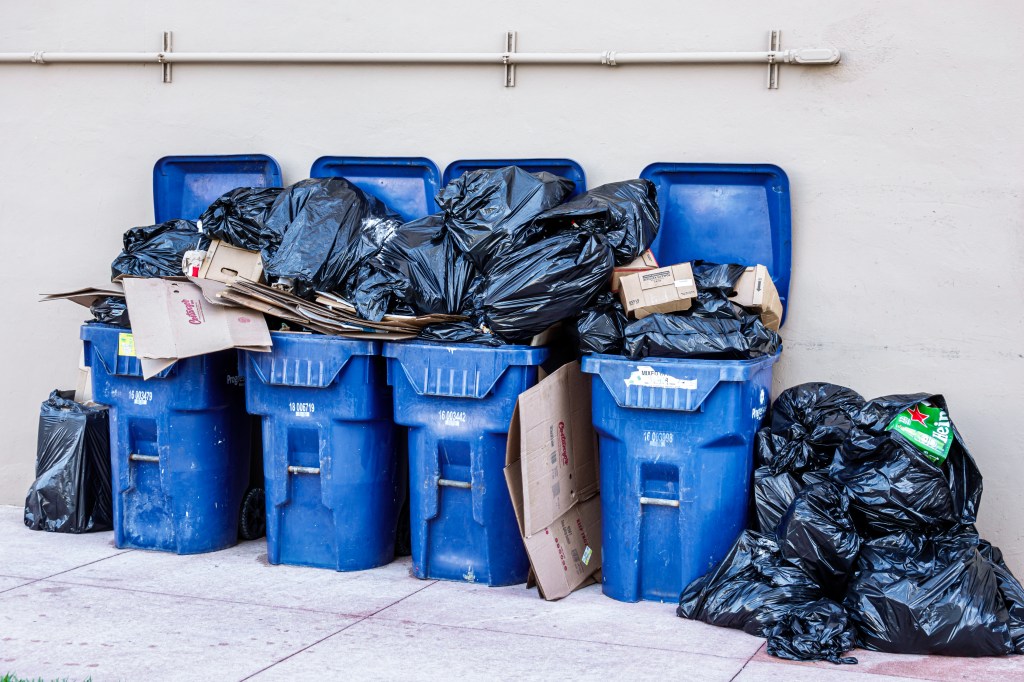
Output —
(863, 536)
(509, 256)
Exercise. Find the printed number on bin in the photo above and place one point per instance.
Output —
(140, 397)
(302, 409)
(452, 417)
(659, 439)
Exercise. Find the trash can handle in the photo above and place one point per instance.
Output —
(454, 484)
(143, 458)
(315, 471)
(659, 502)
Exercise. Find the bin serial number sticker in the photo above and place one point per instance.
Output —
(659, 439)
(302, 409)
(126, 345)
(451, 417)
(140, 397)
(645, 375)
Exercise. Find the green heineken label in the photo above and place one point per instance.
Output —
(926, 427)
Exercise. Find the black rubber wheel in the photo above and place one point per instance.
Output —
(253, 524)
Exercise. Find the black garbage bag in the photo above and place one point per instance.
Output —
(773, 493)
(71, 493)
(488, 210)
(749, 590)
(460, 332)
(320, 232)
(422, 269)
(689, 336)
(808, 423)
(600, 327)
(237, 216)
(893, 485)
(111, 310)
(818, 631)
(915, 594)
(817, 535)
(157, 250)
(551, 280)
(626, 213)
(1010, 588)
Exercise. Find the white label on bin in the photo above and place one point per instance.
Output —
(659, 439)
(302, 409)
(759, 412)
(451, 417)
(645, 375)
(140, 397)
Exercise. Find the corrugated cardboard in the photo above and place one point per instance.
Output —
(756, 290)
(86, 296)
(663, 290)
(645, 262)
(552, 474)
(224, 263)
(171, 319)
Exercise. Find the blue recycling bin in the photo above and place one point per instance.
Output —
(184, 186)
(676, 443)
(677, 436)
(457, 401)
(334, 485)
(179, 445)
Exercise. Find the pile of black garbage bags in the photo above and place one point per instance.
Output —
(713, 326)
(512, 251)
(862, 537)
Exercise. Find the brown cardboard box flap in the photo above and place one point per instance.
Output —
(225, 263)
(662, 290)
(756, 290)
(646, 261)
(565, 555)
(171, 319)
(553, 479)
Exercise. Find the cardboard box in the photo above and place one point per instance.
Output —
(171, 319)
(224, 263)
(645, 262)
(551, 468)
(663, 290)
(756, 290)
(86, 296)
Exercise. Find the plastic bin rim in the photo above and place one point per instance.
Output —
(367, 346)
(591, 358)
(536, 353)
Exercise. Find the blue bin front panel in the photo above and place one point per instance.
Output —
(334, 487)
(457, 402)
(193, 420)
(675, 471)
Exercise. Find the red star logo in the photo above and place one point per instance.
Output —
(917, 415)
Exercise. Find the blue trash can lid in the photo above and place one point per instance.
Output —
(407, 184)
(564, 168)
(184, 186)
(725, 213)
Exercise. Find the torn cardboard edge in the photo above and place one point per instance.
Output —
(551, 470)
(86, 296)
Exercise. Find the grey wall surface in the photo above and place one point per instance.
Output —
(906, 163)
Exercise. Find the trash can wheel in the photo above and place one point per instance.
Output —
(253, 524)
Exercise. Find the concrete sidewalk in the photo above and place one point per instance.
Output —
(77, 607)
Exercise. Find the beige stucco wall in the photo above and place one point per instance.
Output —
(906, 163)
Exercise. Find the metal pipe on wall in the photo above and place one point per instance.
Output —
(809, 56)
